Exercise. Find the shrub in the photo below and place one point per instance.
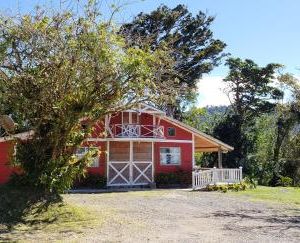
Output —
(227, 187)
(91, 181)
(250, 182)
(284, 181)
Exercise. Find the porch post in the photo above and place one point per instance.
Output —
(107, 162)
(153, 164)
(219, 158)
(130, 161)
(193, 152)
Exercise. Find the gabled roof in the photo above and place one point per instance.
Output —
(207, 142)
(213, 143)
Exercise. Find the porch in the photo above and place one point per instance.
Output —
(203, 178)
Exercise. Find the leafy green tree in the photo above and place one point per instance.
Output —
(250, 89)
(262, 163)
(286, 148)
(251, 93)
(57, 70)
(188, 38)
(193, 117)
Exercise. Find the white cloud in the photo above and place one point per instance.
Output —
(210, 91)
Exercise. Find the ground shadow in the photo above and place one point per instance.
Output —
(16, 203)
(261, 221)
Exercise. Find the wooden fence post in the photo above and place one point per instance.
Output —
(241, 173)
(193, 180)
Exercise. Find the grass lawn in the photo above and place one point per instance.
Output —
(285, 195)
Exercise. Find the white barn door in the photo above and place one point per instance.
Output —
(130, 163)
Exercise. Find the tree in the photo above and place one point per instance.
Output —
(249, 87)
(251, 93)
(286, 148)
(57, 70)
(189, 39)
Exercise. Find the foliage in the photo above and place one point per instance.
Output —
(250, 89)
(250, 182)
(227, 187)
(91, 180)
(178, 178)
(285, 181)
(291, 168)
(252, 94)
(189, 39)
(193, 117)
(57, 70)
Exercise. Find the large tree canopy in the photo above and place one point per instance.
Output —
(252, 93)
(56, 70)
(250, 87)
(189, 39)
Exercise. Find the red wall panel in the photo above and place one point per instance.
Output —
(186, 158)
(6, 149)
(180, 134)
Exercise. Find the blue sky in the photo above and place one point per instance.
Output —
(263, 30)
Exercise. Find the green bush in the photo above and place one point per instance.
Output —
(91, 180)
(227, 187)
(284, 181)
(250, 182)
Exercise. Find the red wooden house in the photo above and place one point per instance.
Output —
(136, 144)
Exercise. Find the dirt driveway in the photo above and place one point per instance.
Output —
(185, 216)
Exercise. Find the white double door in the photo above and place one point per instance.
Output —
(130, 163)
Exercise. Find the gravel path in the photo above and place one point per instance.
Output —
(185, 216)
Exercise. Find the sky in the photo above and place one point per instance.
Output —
(266, 31)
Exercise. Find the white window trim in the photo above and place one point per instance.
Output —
(130, 117)
(95, 163)
(168, 153)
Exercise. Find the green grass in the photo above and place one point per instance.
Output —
(284, 195)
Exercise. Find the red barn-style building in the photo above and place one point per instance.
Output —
(135, 145)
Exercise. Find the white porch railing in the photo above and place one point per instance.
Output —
(202, 178)
(137, 131)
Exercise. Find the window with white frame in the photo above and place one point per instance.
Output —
(83, 150)
(170, 156)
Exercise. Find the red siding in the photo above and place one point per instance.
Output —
(146, 119)
(116, 119)
(180, 134)
(6, 148)
(186, 158)
(98, 130)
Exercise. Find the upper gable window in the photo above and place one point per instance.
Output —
(125, 117)
(171, 131)
(134, 118)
